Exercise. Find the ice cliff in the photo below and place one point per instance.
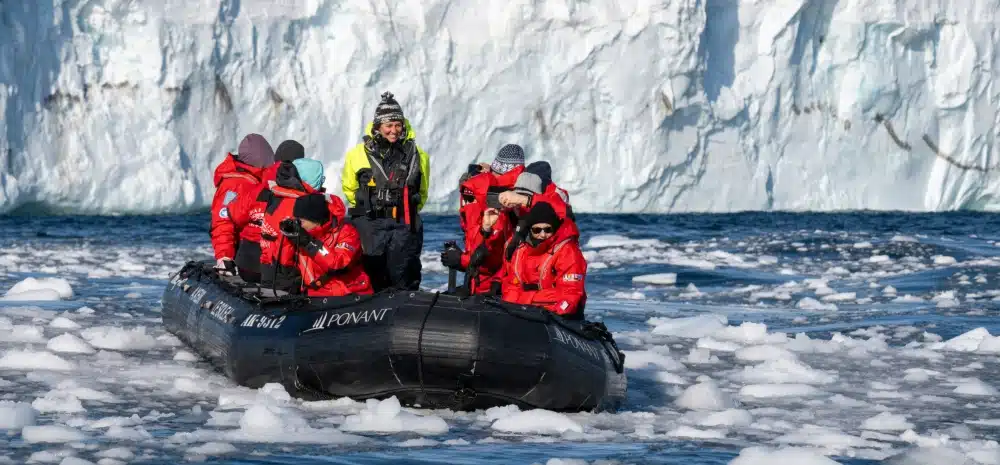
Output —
(116, 106)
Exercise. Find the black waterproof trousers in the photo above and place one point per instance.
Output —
(391, 251)
(248, 261)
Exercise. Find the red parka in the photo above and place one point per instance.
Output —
(550, 275)
(231, 178)
(333, 267)
(474, 192)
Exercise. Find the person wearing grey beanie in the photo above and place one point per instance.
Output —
(238, 172)
(386, 179)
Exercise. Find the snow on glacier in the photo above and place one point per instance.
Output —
(126, 106)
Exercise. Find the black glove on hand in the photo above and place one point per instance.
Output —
(479, 256)
(298, 236)
(452, 258)
(519, 234)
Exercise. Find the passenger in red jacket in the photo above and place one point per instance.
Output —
(246, 212)
(296, 179)
(548, 268)
(486, 227)
(238, 171)
(327, 250)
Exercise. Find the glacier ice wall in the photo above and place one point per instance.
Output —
(118, 106)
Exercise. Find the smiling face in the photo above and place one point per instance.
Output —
(391, 130)
(542, 231)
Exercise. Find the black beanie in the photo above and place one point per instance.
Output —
(289, 150)
(542, 212)
(312, 207)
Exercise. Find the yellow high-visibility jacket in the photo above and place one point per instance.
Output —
(356, 160)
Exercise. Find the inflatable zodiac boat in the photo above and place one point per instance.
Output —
(430, 350)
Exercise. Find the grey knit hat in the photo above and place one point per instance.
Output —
(388, 110)
(509, 157)
(255, 151)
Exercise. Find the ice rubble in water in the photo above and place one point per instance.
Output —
(32, 289)
(776, 372)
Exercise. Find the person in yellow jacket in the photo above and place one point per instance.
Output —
(385, 180)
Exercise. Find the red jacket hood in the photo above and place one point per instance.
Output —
(338, 211)
(567, 230)
(231, 168)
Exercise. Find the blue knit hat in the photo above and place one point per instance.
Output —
(310, 172)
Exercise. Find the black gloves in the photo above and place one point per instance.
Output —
(478, 256)
(520, 233)
(298, 236)
(452, 258)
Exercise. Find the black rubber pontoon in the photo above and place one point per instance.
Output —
(429, 350)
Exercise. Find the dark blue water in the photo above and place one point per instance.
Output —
(740, 266)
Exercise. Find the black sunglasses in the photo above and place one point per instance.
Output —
(542, 229)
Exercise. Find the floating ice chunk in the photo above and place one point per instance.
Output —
(705, 395)
(889, 290)
(930, 456)
(58, 401)
(716, 345)
(388, 416)
(185, 356)
(50, 434)
(561, 461)
(840, 297)
(701, 356)
(34, 360)
(615, 240)
(690, 327)
(39, 289)
(108, 422)
(886, 421)
(909, 299)
(537, 421)
(879, 259)
(725, 418)
(23, 333)
(764, 352)
(417, 442)
(975, 387)
(694, 433)
(764, 456)
(863, 245)
(824, 291)
(944, 260)
(749, 333)
(919, 375)
(191, 385)
(61, 322)
(15, 415)
(70, 344)
(809, 303)
(902, 238)
(640, 359)
(75, 461)
(976, 340)
(785, 371)
(495, 413)
(828, 438)
(634, 295)
(117, 338)
(661, 279)
(121, 433)
(767, 391)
